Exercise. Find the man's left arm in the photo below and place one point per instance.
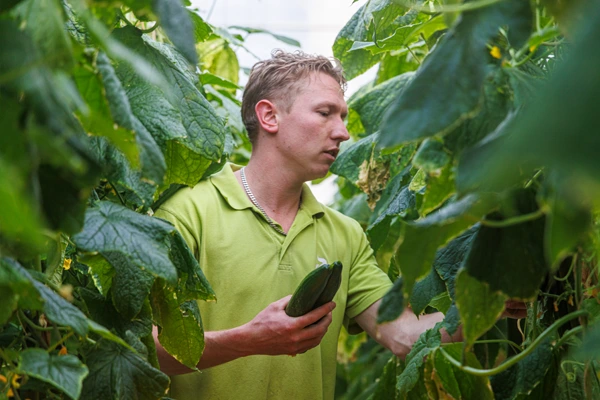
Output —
(400, 335)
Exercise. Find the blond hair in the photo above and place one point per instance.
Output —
(274, 79)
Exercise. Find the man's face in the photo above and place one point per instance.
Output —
(311, 131)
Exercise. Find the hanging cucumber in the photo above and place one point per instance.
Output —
(315, 289)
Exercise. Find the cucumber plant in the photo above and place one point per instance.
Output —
(107, 109)
(473, 169)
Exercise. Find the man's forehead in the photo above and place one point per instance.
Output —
(325, 79)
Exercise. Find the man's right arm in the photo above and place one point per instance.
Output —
(271, 332)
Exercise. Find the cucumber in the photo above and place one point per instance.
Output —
(333, 284)
(315, 288)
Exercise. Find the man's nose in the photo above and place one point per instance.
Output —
(341, 132)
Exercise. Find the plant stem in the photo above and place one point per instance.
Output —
(150, 30)
(413, 54)
(62, 340)
(117, 192)
(510, 342)
(514, 360)
(514, 220)
(564, 278)
(578, 291)
(123, 17)
(567, 335)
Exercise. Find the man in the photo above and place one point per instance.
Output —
(257, 231)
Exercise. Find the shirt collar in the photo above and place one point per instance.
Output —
(227, 184)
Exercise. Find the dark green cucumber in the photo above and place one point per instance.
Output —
(317, 288)
(308, 291)
(333, 284)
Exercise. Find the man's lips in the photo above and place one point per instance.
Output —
(333, 152)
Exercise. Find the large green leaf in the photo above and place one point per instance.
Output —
(100, 270)
(479, 306)
(119, 172)
(202, 30)
(281, 38)
(130, 286)
(192, 283)
(450, 258)
(392, 303)
(511, 259)
(426, 290)
(373, 18)
(448, 84)
(102, 311)
(431, 156)
(459, 384)
(386, 385)
(368, 169)
(19, 218)
(142, 240)
(181, 120)
(177, 23)
(118, 373)
(217, 57)
(152, 161)
(396, 200)
(44, 21)
(422, 27)
(55, 307)
(567, 223)
(371, 105)
(422, 238)
(23, 69)
(439, 188)
(426, 343)
(493, 108)
(559, 124)
(65, 373)
(525, 375)
(180, 327)
(96, 119)
(17, 290)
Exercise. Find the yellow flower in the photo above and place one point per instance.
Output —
(10, 393)
(67, 263)
(532, 48)
(63, 351)
(3, 379)
(495, 52)
(15, 381)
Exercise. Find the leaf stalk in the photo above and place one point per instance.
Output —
(514, 360)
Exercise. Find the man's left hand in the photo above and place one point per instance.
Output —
(515, 309)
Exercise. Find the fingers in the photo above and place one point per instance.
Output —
(516, 305)
(316, 314)
(515, 309)
(282, 303)
(312, 335)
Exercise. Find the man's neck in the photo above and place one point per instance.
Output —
(276, 189)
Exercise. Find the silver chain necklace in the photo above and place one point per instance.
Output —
(255, 202)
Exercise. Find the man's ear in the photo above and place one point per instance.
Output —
(266, 112)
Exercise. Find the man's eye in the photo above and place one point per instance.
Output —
(324, 113)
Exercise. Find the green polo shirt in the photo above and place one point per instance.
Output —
(250, 265)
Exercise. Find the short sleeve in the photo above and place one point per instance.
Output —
(191, 240)
(367, 282)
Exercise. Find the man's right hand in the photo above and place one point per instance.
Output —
(273, 332)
